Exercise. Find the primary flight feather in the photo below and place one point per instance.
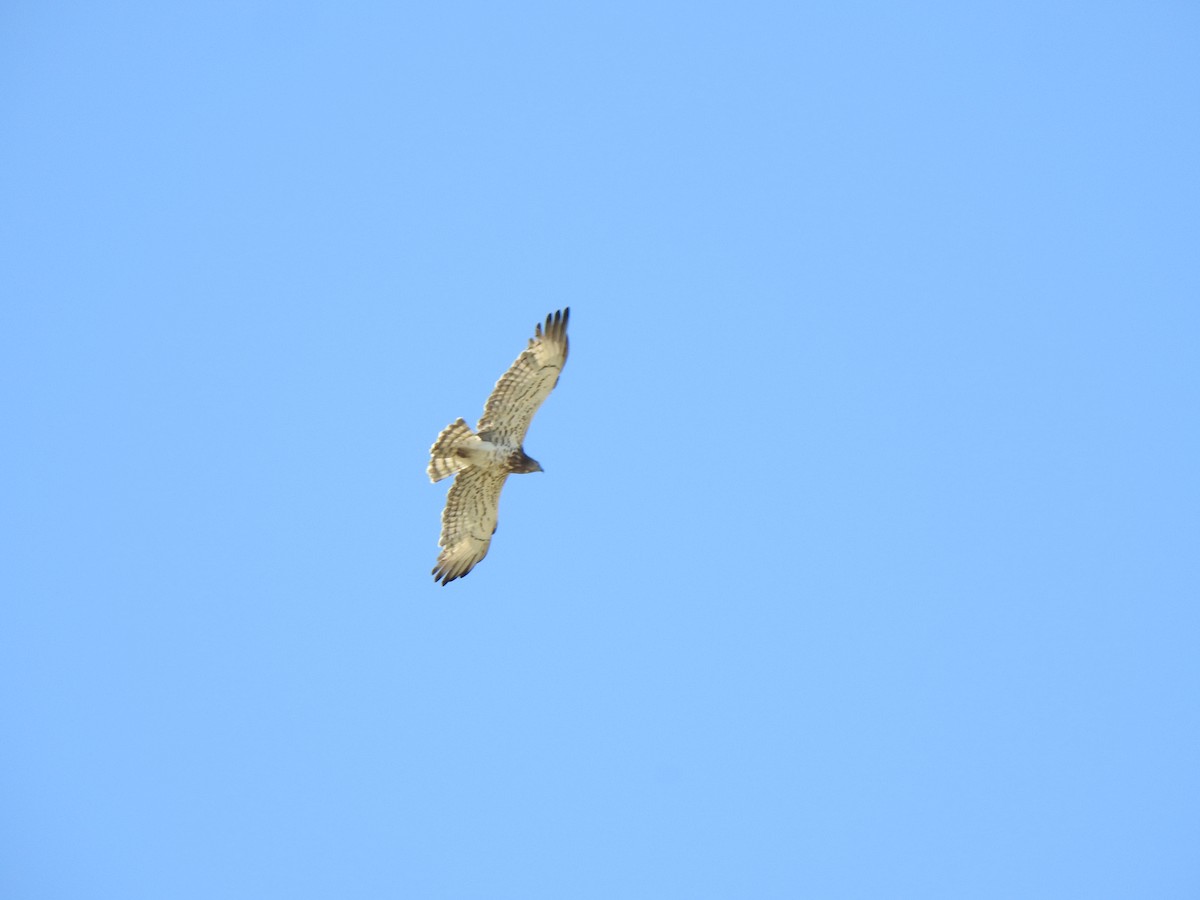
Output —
(482, 460)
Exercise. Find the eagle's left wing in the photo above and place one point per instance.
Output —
(528, 381)
(468, 521)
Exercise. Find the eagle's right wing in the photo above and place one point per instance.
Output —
(528, 381)
(468, 521)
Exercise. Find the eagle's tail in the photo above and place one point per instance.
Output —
(443, 460)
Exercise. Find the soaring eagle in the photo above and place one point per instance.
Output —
(483, 459)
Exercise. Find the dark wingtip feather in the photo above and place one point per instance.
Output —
(445, 576)
(556, 323)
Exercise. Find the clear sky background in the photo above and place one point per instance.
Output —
(865, 562)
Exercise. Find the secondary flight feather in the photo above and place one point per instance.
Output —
(482, 460)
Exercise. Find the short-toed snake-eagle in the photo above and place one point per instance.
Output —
(483, 459)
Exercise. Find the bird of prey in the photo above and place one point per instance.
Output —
(482, 460)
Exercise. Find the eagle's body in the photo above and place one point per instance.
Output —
(483, 459)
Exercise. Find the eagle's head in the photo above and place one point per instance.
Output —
(522, 464)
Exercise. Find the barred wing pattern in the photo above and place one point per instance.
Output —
(481, 462)
(528, 381)
(468, 521)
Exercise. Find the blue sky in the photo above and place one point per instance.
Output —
(865, 559)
